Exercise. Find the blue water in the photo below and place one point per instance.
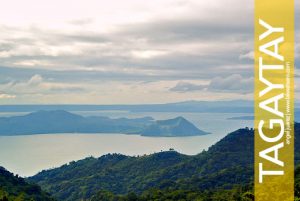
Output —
(27, 155)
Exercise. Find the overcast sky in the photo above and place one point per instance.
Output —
(129, 51)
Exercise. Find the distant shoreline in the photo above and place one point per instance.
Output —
(146, 136)
(241, 118)
(60, 121)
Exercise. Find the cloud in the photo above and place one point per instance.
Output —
(6, 96)
(81, 22)
(297, 50)
(234, 83)
(185, 44)
(148, 54)
(35, 80)
(187, 87)
(38, 85)
(248, 55)
(193, 46)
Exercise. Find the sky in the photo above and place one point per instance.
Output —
(126, 52)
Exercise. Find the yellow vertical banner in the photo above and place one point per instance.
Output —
(274, 95)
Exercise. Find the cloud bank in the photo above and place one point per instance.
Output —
(118, 52)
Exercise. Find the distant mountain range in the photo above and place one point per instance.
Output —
(60, 121)
(227, 164)
(231, 106)
(234, 106)
(242, 118)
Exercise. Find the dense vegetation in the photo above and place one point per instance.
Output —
(237, 193)
(225, 170)
(224, 165)
(297, 184)
(15, 188)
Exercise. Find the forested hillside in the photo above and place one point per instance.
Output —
(15, 188)
(224, 165)
(226, 168)
(237, 193)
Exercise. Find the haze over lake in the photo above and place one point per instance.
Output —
(27, 155)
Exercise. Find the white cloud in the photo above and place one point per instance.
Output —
(6, 96)
(106, 49)
(248, 55)
(148, 54)
(37, 85)
(35, 80)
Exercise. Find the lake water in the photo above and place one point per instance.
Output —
(27, 155)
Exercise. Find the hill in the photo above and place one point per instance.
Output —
(243, 193)
(226, 165)
(172, 127)
(60, 121)
(16, 188)
(220, 166)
